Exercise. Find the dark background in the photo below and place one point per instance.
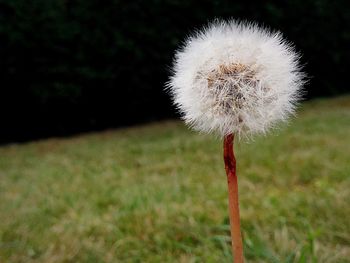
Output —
(69, 66)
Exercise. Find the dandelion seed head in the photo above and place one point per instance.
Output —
(237, 78)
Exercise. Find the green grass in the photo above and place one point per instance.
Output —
(158, 193)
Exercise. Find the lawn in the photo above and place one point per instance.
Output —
(158, 193)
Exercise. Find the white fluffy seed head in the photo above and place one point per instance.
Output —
(235, 77)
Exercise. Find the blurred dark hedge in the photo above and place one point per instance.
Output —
(76, 65)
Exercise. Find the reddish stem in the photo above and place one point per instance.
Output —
(230, 167)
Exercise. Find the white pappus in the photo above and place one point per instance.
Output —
(235, 77)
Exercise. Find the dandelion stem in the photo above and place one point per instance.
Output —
(230, 167)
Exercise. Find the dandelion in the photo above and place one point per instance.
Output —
(234, 78)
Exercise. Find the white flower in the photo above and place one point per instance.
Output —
(235, 78)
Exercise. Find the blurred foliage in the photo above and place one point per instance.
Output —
(158, 194)
(69, 66)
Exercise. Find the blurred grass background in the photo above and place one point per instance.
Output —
(158, 193)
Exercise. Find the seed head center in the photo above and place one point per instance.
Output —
(228, 85)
